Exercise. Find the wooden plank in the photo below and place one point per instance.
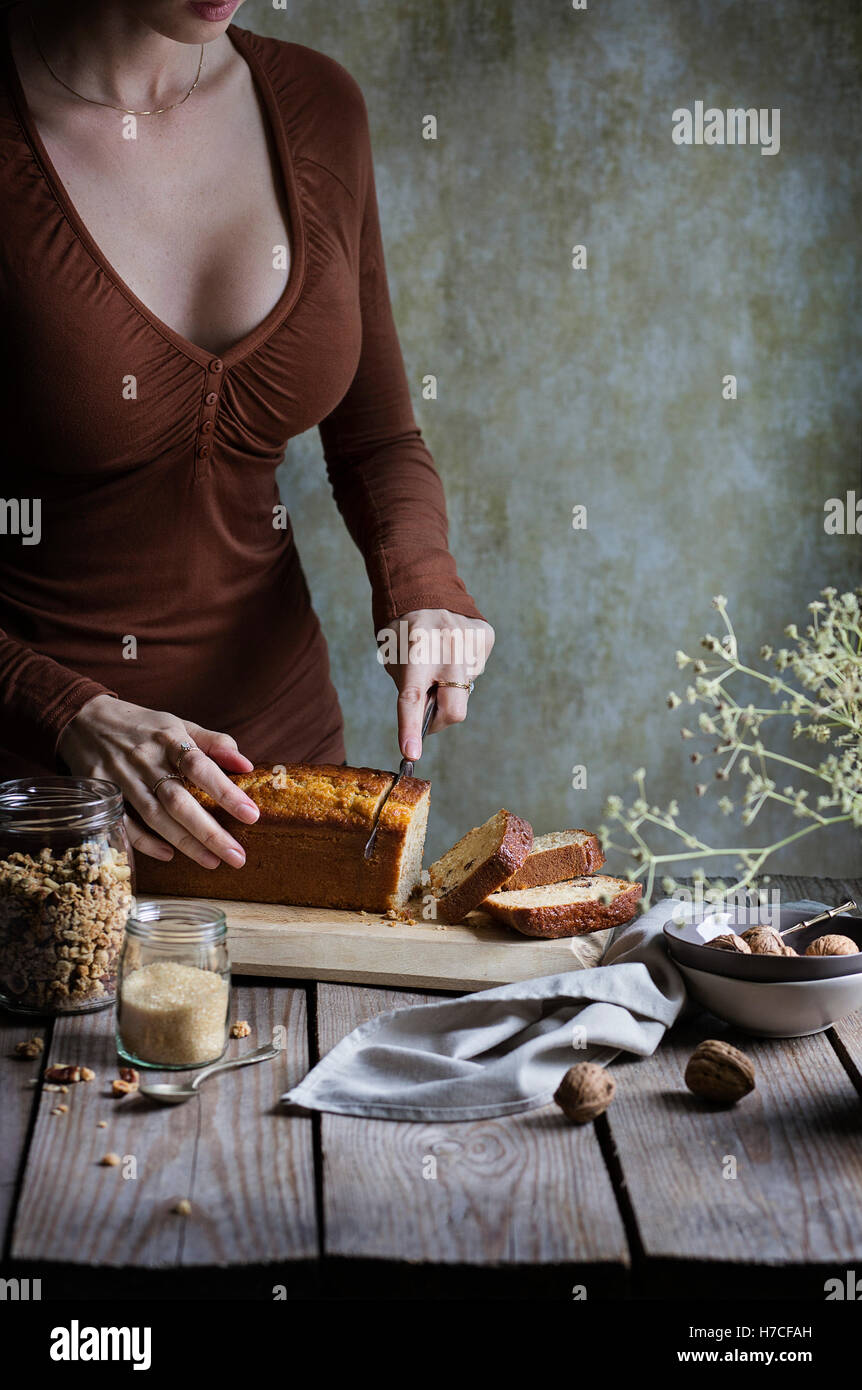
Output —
(527, 1189)
(18, 1096)
(797, 1196)
(246, 1167)
(846, 1037)
(253, 1195)
(302, 943)
(792, 887)
(831, 891)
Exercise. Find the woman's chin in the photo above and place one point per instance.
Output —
(187, 21)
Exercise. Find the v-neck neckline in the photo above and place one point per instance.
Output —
(248, 344)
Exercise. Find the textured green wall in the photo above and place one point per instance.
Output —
(603, 387)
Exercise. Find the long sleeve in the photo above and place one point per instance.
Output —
(38, 697)
(381, 471)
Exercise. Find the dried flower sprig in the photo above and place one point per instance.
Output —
(817, 684)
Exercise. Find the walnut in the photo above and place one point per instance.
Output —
(585, 1091)
(830, 945)
(763, 941)
(87, 1074)
(110, 1160)
(240, 1029)
(119, 1087)
(129, 1074)
(716, 1071)
(730, 942)
(33, 1047)
(63, 1074)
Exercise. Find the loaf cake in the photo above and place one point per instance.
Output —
(307, 846)
(562, 854)
(574, 908)
(478, 864)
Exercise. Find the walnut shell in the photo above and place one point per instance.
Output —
(716, 1071)
(832, 946)
(730, 942)
(585, 1091)
(763, 941)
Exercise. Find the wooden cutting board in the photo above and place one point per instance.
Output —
(319, 943)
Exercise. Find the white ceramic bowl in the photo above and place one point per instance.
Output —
(780, 1009)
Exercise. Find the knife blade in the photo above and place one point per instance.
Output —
(405, 769)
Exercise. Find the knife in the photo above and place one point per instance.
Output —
(405, 769)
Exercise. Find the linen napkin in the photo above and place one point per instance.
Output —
(506, 1049)
(503, 1050)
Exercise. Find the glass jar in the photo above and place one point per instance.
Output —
(173, 998)
(66, 885)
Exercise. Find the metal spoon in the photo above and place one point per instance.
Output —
(821, 917)
(169, 1094)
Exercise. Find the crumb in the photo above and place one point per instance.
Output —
(87, 1074)
(103, 1124)
(240, 1029)
(63, 1073)
(110, 1161)
(59, 1109)
(183, 1207)
(33, 1047)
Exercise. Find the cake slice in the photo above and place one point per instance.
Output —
(562, 854)
(480, 862)
(573, 908)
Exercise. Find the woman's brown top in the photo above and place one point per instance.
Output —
(164, 572)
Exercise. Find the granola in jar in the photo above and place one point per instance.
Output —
(65, 893)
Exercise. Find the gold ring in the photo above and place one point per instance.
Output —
(469, 686)
(168, 777)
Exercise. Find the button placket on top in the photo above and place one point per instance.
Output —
(213, 378)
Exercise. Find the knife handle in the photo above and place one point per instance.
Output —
(406, 768)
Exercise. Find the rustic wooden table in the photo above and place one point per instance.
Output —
(637, 1205)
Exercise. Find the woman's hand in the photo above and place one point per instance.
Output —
(134, 747)
(441, 646)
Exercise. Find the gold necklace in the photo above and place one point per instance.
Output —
(158, 111)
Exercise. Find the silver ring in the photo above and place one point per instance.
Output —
(168, 777)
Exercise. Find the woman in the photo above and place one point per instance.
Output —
(192, 273)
